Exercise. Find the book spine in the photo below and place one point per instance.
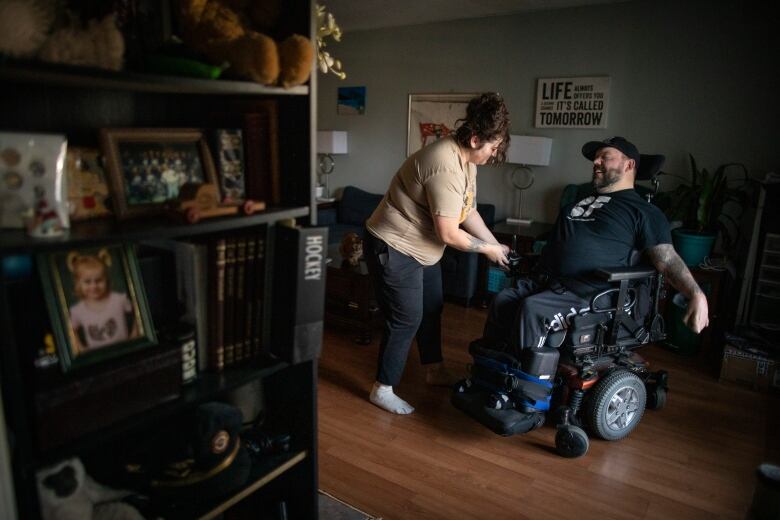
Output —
(249, 294)
(230, 302)
(259, 294)
(299, 293)
(238, 310)
(217, 305)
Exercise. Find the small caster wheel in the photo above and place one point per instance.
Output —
(571, 441)
(656, 399)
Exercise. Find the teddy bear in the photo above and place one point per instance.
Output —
(351, 249)
(67, 492)
(236, 32)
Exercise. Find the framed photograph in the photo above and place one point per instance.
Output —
(32, 187)
(146, 167)
(229, 151)
(351, 101)
(87, 186)
(433, 116)
(96, 302)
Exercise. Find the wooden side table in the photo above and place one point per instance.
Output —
(521, 236)
(349, 297)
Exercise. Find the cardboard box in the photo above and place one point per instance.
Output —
(749, 369)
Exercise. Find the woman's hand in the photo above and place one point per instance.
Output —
(497, 253)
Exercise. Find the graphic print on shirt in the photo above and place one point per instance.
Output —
(104, 333)
(581, 212)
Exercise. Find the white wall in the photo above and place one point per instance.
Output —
(687, 77)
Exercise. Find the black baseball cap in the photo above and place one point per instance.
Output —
(590, 149)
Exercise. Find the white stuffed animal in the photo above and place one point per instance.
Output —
(66, 492)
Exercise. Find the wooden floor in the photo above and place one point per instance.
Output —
(696, 458)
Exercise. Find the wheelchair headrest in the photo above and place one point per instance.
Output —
(649, 166)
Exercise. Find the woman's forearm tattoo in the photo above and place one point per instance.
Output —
(476, 244)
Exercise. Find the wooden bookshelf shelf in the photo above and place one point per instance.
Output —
(95, 232)
(72, 76)
(261, 474)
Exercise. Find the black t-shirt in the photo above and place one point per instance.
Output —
(601, 231)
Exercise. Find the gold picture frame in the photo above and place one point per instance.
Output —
(146, 167)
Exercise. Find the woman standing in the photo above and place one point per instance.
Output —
(431, 196)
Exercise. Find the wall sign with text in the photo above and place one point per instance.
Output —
(572, 102)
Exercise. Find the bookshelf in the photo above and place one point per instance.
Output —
(78, 102)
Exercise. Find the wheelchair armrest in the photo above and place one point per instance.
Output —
(616, 274)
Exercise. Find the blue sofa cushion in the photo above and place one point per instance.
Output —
(356, 206)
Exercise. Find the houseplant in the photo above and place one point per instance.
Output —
(709, 206)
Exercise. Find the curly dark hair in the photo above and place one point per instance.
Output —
(487, 118)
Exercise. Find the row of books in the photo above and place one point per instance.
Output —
(221, 284)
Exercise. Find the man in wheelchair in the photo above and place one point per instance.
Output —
(568, 330)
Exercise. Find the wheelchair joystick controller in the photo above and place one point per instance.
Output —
(514, 260)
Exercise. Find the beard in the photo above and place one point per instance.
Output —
(607, 178)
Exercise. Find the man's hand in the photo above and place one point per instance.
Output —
(697, 316)
(667, 261)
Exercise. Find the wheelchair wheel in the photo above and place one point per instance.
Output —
(656, 398)
(571, 441)
(616, 405)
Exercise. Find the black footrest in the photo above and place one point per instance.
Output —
(502, 422)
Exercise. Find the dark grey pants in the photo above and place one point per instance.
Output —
(410, 297)
(522, 316)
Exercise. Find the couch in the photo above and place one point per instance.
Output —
(460, 270)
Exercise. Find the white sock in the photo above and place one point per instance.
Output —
(383, 397)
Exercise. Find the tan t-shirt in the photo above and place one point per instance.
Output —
(432, 181)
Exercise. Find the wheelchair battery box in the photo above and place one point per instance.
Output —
(540, 362)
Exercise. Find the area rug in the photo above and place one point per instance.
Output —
(331, 508)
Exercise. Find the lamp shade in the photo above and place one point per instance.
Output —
(331, 141)
(529, 150)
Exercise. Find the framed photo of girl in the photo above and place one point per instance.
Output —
(96, 302)
(146, 167)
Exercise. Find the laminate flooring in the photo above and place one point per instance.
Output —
(694, 459)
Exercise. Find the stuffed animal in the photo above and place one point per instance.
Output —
(229, 31)
(24, 26)
(66, 492)
(98, 44)
(351, 249)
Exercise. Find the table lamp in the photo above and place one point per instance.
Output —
(329, 143)
(525, 151)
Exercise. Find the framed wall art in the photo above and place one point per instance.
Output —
(351, 101)
(87, 185)
(146, 167)
(96, 302)
(433, 116)
(32, 184)
(574, 102)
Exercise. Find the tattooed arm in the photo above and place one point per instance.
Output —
(669, 263)
(450, 233)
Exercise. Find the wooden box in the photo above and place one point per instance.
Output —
(81, 404)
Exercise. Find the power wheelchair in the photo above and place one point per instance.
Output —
(588, 374)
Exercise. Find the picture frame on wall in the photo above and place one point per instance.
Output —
(147, 167)
(96, 303)
(433, 116)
